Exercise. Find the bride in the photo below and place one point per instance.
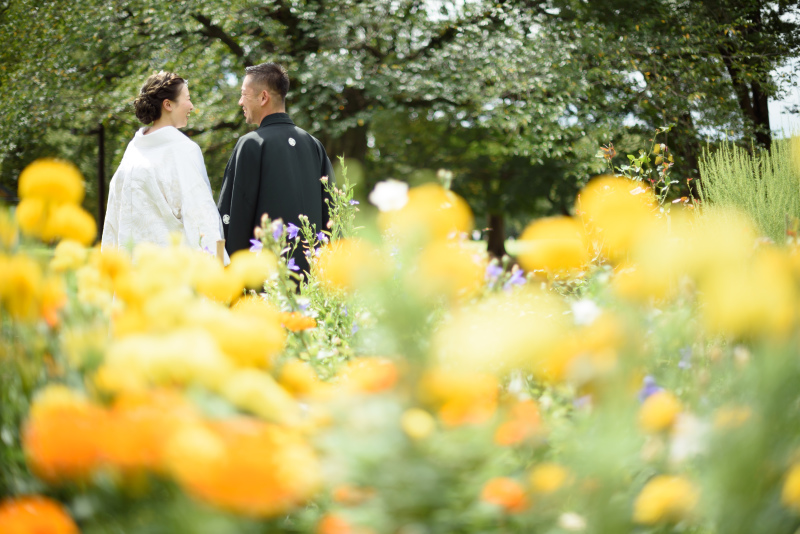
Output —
(161, 187)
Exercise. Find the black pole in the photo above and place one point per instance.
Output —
(101, 176)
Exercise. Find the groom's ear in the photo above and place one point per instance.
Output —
(265, 96)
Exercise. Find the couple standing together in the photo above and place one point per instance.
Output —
(161, 186)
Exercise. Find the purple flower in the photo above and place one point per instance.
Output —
(517, 279)
(317, 251)
(292, 231)
(292, 265)
(277, 231)
(354, 202)
(207, 250)
(322, 237)
(257, 245)
(582, 402)
(493, 271)
(302, 304)
(649, 387)
(354, 329)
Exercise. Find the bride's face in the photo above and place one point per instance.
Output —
(181, 108)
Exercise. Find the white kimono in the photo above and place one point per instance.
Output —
(161, 188)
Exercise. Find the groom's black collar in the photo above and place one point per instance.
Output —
(276, 118)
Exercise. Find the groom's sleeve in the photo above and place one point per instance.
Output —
(241, 185)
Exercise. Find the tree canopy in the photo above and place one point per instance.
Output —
(514, 96)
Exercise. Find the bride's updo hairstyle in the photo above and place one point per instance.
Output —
(157, 87)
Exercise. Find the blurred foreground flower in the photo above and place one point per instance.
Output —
(548, 478)
(245, 467)
(50, 194)
(506, 493)
(659, 412)
(35, 515)
(389, 195)
(616, 212)
(432, 212)
(665, 499)
(553, 244)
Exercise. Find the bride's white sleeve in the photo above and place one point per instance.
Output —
(201, 222)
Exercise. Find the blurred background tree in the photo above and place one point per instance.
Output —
(513, 96)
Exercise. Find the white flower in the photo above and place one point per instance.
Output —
(689, 438)
(585, 311)
(390, 195)
(571, 522)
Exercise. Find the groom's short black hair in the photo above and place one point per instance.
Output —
(270, 75)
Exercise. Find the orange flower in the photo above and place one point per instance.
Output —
(245, 466)
(296, 321)
(133, 437)
(523, 424)
(369, 375)
(351, 495)
(506, 493)
(334, 524)
(462, 397)
(35, 514)
(61, 436)
(299, 378)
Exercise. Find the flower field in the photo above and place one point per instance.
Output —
(636, 371)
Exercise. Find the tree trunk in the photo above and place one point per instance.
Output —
(497, 235)
(761, 116)
(101, 176)
(352, 144)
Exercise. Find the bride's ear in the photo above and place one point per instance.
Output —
(167, 104)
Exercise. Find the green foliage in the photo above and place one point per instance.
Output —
(765, 184)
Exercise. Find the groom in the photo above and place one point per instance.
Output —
(275, 169)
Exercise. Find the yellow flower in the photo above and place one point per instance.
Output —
(432, 212)
(84, 344)
(182, 357)
(751, 298)
(31, 214)
(257, 392)
(553, 244)
(21, 287)
(450, 270)
(521, 329)
(52, 180)
(69, 255)
(548, 478)
(35, 514)
(210, 279)
(617, 212)
(69, 221)
(659, 412)
(417, 423)
(250, 335)
(299, 378)
(731, 417)
(252, 269)
(790, 495)
(346, 264)
(665, 499)
(461, 397)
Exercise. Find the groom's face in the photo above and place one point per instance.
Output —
(250, 101)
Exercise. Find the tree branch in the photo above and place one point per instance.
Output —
(213, 31)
